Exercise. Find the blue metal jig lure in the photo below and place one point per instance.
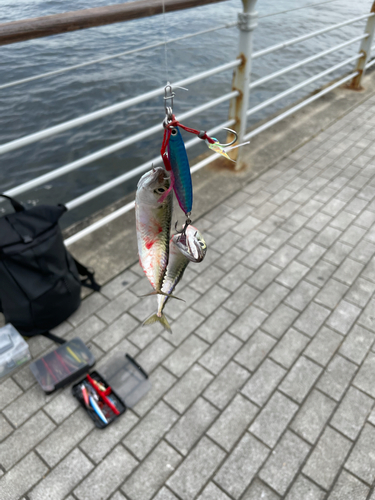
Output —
(178, 158)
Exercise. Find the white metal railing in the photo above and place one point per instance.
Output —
(246, 24)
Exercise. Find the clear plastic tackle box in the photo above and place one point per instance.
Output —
(14, 350)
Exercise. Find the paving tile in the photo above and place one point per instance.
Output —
(361, 461)
(241, 299)
(115, 332)
(292, 274)
(312, 319)
(211, 300)
(226, 384)
(311, 254)
(255, 350)
(247, 323)
(220, 353)
(304, 489)
(107, 476)
(23, 407)
(63, 478)
(165, 494)
(331, 294)
(333, 207)
(320, 273)
(119, 284)
(363, 252)
(283, 256)
(98, 443)
(302, 295)
(259, 490)
(88, 329)
(22, 477)
(9, 391)
(327, 458)
(323, 346)
(348, 487)
(192, 425)
(232, 422)
(214, 326)
(336, 377)
(343, 220)
(364, 379)
(188, 388)
(264, 276)
(24, 439)
(277, 238)
(357, 344)
(367, 318)
(212, 492)
(352, 413)
(240, 468)
(326, 237)
(318, 222)
(273, 419)
(249, 242)
(280, 320)
(64, 438)
(289, 348)
(161, 381)
(283, 464)
(360, 292)
(5, 429)
(300, 379)
(348, 271)
(61, 406)
(117, 306)
(154, 354)
(235, 278)
(263, 382)
(185, 355)
(88, 307)
(343, 317)
(196, 469)
(150, 430)
(152, 473)
(206, 279)
(369, 271)
(246, 225)
(337, 253)
(271, 297)
(302, 238)
(181, 329)
(232, 257)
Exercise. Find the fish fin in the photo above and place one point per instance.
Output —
(161, 319)
(155, 292)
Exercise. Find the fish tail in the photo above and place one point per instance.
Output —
(156, 292)
(161, 319)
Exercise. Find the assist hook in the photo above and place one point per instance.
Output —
(229, 143)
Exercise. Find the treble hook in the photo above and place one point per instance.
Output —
(188, 221)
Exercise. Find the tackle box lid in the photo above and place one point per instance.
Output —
(126, 377)
(62, 365)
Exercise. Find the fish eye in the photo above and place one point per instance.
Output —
(160, 190)
(202, 244)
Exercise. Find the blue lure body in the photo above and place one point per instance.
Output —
(178, 158)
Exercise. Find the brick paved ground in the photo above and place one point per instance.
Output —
(266, 388)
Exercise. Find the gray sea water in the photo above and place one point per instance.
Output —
(37, 105)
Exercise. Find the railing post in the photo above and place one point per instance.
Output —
(247, 22)
(365, 49)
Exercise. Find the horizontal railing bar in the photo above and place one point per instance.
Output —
(28, 29)
(303, 62)
(112, 148)
(299, 39)
(302, 104)
(299, 86)
(103, 188)
(114, 56)
(123, 210)
(62, 127)
(307, 6)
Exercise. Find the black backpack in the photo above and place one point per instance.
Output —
(39, 279)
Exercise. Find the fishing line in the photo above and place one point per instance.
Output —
(165, 44)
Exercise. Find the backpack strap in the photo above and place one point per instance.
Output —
(18, 207)
(53, 337)
(89, 280)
